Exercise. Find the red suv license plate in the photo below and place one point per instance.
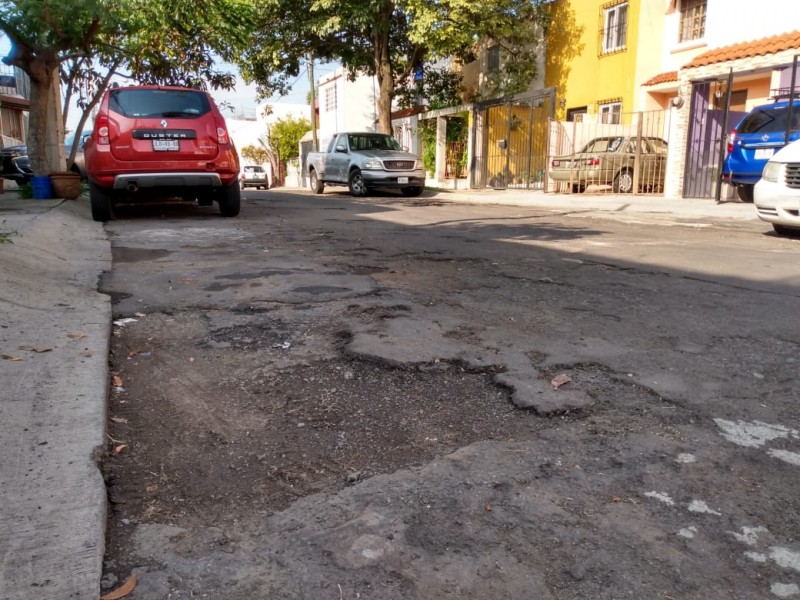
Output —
(167, 145)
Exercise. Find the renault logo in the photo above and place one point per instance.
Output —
(163, 123)
(764, 138)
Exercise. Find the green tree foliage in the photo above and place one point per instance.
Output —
(284, 136)
(440, 88)
(255, 154)
(389, 39)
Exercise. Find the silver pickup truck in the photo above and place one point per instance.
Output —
(363, 161)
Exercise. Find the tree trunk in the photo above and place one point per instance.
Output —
(383, 68)
(42, 71)
(41, 87)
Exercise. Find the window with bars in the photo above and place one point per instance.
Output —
(693, 20)
(610, 113)
(330, 98)
(615, 27)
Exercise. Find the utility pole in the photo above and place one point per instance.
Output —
(314, 143)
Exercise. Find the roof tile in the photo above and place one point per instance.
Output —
(762, 47)
(662, 78)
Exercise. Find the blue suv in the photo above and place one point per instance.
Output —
(753, 142)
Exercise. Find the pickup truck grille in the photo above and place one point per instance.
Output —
(399, 165)
(793, 175)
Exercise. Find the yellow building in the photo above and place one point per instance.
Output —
(599, 54)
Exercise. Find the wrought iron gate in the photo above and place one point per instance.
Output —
(511, 152)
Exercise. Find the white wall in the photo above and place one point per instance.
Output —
(356, 106)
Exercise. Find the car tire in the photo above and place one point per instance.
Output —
(230, 200)
(411, 192)
(745, 192)
(356, 184)
(623, 182)
(100, 200)
(316, 185)
(242, 185)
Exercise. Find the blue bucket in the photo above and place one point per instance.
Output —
(41, 188)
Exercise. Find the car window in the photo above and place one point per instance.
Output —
(254, 169)
(603, 145)
(141, 103)
(768, 119)
(372, 142)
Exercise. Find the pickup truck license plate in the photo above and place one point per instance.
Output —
(167, 145)
(402, 180)
(764, 152)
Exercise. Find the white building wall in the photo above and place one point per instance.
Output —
(346, 105)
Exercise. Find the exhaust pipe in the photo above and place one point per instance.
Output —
(133, 187)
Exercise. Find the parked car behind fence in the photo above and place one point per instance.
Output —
(612, 161)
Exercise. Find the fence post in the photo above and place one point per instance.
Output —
(637, 161)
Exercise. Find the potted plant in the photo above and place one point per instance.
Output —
(66, 184)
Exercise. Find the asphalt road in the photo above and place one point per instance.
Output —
(390, 398)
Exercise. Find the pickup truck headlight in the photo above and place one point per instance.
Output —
(418, 165)
(372, 163)
(772, 170)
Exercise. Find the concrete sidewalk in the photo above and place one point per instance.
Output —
(54, 337)
(54, 340)
(628, 204)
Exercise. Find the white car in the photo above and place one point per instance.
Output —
(777, 194)
(253, 176)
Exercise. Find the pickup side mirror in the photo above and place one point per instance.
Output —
(340, 148)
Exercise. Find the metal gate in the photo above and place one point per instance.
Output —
(706, 141)
(511, 151)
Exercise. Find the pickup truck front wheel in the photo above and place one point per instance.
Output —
(317, 186)
(356, 183)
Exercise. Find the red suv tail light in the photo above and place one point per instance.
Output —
(731, 139)
(101, 127)
(222, 132)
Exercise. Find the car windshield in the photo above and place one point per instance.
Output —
(610, 144)
(374, 141)
(767, 119)
(141, 103)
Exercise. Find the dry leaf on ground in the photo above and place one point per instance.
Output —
(117, 380)
(560, 380)
(38, 349)
(11, 357)
(122, 591)
(118, 419)
(120, 448)
(76, 335)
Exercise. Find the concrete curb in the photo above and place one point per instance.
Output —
(618, 204)
(53, 404)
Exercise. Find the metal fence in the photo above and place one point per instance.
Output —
(629, 156)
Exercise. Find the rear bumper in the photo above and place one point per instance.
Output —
(166, 180)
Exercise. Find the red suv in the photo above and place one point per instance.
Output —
(154, 142)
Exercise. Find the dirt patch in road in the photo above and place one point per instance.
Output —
(219, 422)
